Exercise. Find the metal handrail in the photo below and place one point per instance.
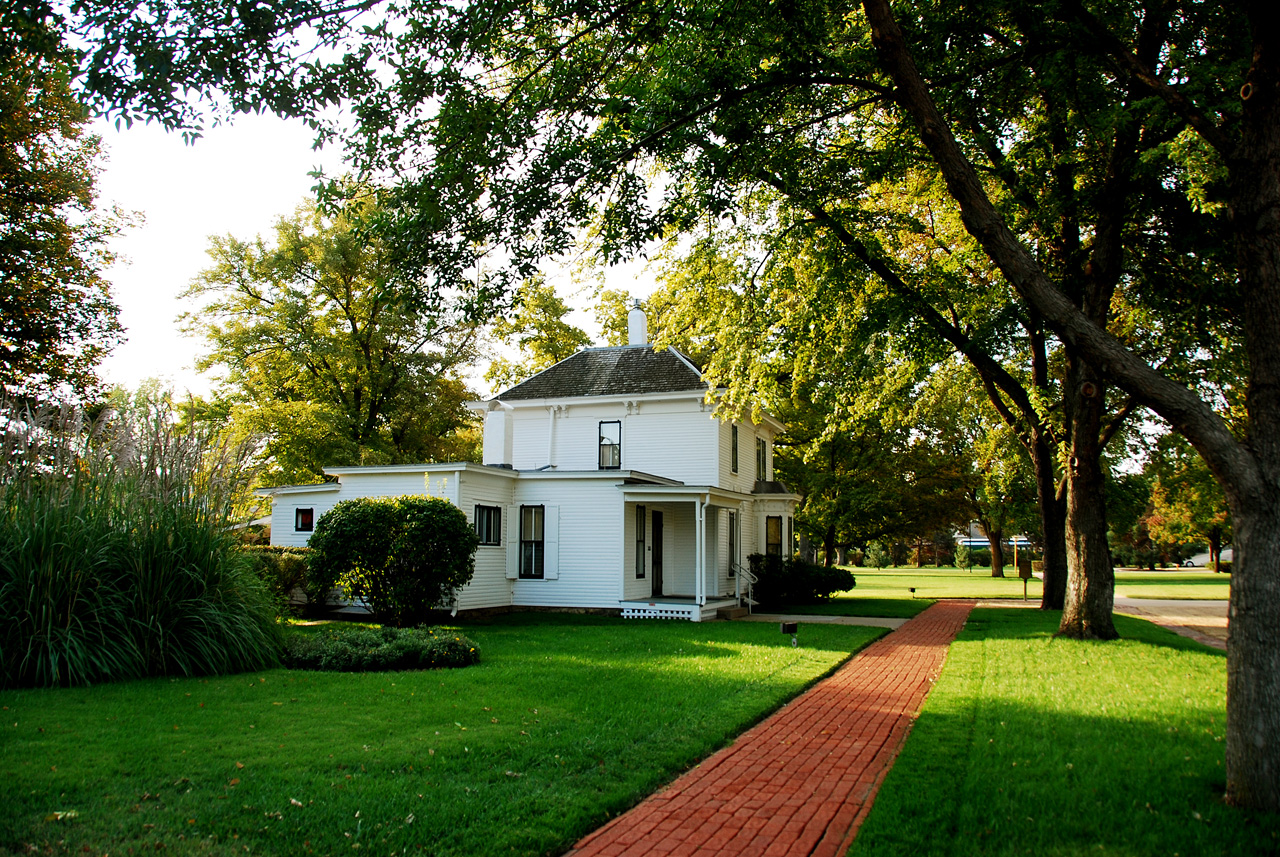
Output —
(741, 574)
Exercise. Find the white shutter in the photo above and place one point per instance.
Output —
(551, 543)
(511, 527)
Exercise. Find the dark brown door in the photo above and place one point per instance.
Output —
(657, 554)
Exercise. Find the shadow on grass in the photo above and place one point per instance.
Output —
(893, 608)
(1035, 745)
(996, 623)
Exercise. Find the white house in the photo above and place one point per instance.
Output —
(607, 482)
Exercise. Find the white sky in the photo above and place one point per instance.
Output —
(236, 179)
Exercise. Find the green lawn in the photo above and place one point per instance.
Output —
(1034, 745)
(1190, 583)
(566, 721)
(887, 591)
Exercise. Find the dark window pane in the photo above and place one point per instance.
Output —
(532, 549)
(773, 535)
(489, 524)
(610, 445)
(304, 520)
(640, 534)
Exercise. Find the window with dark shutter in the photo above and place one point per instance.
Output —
(532, 545)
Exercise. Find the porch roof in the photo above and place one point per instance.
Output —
(692, 493)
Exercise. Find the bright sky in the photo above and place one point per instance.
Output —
(236, 180)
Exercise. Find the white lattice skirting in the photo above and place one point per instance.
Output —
(687, 612)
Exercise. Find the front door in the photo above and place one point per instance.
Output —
(657, 555)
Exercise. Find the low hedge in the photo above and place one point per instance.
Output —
(790, 580)
(340, 648)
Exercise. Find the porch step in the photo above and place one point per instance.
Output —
(731, 612)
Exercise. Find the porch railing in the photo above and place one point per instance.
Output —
(743, 575)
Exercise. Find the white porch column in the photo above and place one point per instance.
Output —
(699, 553)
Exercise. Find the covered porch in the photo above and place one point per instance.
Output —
(683, 552)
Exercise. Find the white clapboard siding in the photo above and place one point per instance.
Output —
(283, 508)
(633, 588)
(387, 484)
(678, 560)
(489, 586)
(586, 557)
(529, 438)
(679, 446)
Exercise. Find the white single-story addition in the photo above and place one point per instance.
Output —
(607, 482)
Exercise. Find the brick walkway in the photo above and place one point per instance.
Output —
(801, 782)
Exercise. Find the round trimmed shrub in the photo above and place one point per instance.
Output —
(405, 556)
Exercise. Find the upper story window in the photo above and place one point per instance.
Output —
(733, 449)
(611, 445)
(532, 544)
(304, 520)
(762, 459)
(488, 521)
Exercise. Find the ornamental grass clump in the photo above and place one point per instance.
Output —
(359, 649)
(117, 559)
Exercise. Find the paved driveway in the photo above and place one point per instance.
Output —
(1204, 621)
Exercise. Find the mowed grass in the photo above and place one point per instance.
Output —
(566, 721)
(1029, 744)
(887, 592)
(1177, 584)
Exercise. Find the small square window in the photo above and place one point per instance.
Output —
(304, 520)
(488, 520)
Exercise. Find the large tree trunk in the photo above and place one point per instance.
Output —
(995, 538)
(1053, 526)
(1249, 472)
(1090, 596)
(829, 546)
(1253, 660)
(1253, 635)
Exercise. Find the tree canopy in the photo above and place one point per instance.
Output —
(57, 316)
(538, 329)
(1094, 153)
(329, 353)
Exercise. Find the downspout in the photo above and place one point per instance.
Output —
(551, 434)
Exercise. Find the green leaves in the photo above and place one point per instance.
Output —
(57, 317)
(404, 555)
(330, 352)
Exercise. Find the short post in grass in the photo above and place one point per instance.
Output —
(1024, 571)
(793, 629)
(912, 590)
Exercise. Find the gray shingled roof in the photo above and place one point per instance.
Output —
(626, 371)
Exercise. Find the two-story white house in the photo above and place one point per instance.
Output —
(607, 482)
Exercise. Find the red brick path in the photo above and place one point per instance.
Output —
(801, 782)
